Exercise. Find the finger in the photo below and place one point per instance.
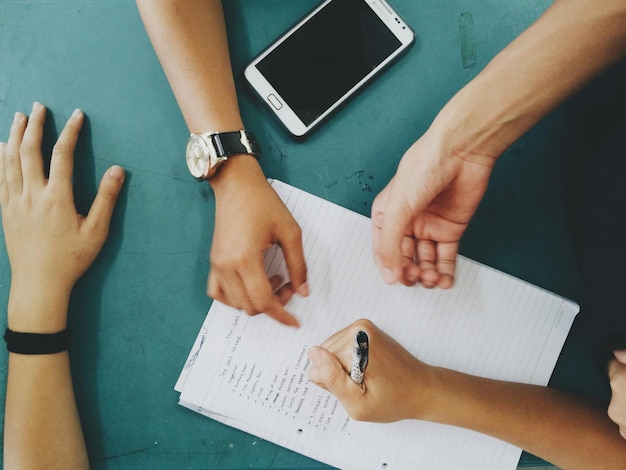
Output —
(392, 218)
(446, 263)
(276, 282)
(388, 258)
(614, 367)
(99, 216)
(12, 164)
(294, 259)
(283, 292)
(235, 293)
(212, 286)
(62, 161)
(410, 271)
(259, 290)
(30, 148)
(217, 292)
(214, 289)
(327, 372)
(340, 339)
(617, 381)
(616, 409)
(4, 192)
(426, 253)
(275, 307)
(620, 355)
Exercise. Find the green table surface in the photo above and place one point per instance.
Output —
(137, 311)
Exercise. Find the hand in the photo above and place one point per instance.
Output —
(396, 385)
(420, 216)
(249, 219)
(617, 377)
(49, 245)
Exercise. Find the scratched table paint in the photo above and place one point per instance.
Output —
(137, 311)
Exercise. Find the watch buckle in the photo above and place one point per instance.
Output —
(243, 138)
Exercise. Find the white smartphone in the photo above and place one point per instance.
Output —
(327, 57)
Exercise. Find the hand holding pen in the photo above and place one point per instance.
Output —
(395, 385)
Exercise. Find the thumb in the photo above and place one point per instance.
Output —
(101, 210)
(326, 371)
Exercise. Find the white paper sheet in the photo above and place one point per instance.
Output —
(250, 372)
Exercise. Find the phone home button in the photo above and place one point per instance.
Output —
(274, 101)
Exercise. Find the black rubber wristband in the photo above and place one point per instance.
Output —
(36, 343)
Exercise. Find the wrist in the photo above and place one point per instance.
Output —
(239, 171)
(490, 113)
(465, 129)
(428, 393)
(35, 309)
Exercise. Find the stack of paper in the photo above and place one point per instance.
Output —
(250, 372)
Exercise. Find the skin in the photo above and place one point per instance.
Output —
(561, 428)
(190, 41)
(50, 246)
(420, 216)
(617, 380)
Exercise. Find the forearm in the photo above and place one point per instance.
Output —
(190, 41)
(572, 42)
(37, 307)
(49, 246)
(42, 427)
(563, 429)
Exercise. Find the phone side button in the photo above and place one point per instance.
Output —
(274, 101)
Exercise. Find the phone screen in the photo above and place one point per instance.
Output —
(327, 56)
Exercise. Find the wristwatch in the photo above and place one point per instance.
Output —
(206, 152)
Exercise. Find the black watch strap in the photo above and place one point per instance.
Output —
(237, 142)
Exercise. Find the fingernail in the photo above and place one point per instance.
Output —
(17, 118)
(303, 290)
(77, 113)
(388, 276)
(116, 172)
(36, 106)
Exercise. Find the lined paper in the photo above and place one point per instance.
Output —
(250, 372)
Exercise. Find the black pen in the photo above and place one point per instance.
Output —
(360, 353)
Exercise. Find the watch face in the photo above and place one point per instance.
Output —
(197, 157)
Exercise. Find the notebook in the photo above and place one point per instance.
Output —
(250, 372)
